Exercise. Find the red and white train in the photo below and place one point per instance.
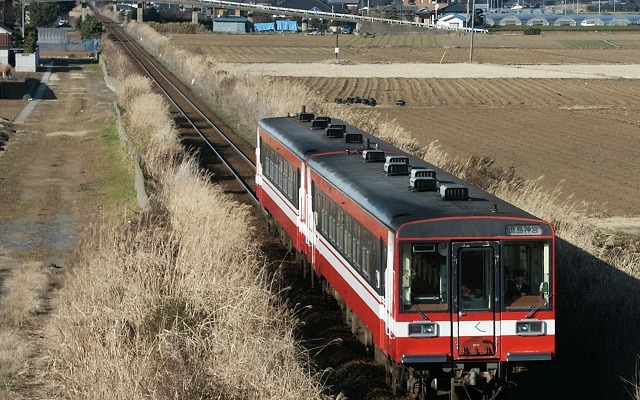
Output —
(451, 285)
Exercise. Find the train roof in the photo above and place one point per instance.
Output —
(388, 197)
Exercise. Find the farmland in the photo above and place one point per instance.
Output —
(431, 47)
(581, 134)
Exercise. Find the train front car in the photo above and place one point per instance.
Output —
(474, 297)
(451, 285)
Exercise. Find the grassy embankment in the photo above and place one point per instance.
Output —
(597, 276)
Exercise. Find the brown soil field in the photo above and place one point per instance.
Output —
(581, 134)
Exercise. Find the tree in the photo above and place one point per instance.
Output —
(43, 14)
(91, 28)
(17, 41)
(31, 40)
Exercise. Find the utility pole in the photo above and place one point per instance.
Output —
(23, 16)
(337, 46)
(473, 24)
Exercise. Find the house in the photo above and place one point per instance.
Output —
(310, 5)
(451, 21)
(344, 6)
(5, 45)
(430, 5)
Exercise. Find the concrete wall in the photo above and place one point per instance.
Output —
(27, 62)
(4, 56)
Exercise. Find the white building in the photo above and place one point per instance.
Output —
(451, 21)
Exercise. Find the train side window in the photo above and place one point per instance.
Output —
(424, 278)
(282, 174)
(351, 239)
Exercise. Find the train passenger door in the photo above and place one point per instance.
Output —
(476, 299)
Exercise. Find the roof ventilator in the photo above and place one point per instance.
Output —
(423, 179)
(353, 138)
(320, 122)
(304, 116)
(336, 131)
(372, 155)
(454, 192)
(423, 173)
(396, 165)
(423, 184)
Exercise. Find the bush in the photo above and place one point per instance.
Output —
(177, 27)
(532, 31)
(91, 28)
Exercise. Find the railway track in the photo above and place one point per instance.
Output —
(221, 151)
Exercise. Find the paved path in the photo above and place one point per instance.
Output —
(412, 70)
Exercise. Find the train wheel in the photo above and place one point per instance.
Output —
(396, 378)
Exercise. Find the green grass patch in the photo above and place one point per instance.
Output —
(586, 44)
(113, 174)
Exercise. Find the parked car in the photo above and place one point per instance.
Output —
(346, 29)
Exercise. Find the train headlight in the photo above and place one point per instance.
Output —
(531, 327)
(423, 329)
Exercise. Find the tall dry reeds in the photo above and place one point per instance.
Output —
(176, 303)
(118, 64)
(151, 128)
(594, 280)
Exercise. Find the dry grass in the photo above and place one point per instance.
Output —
(21, 300)
(593, 279)
(22, 294)
(175, 304)
(118, 64)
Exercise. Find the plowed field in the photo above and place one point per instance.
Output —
(582, 134)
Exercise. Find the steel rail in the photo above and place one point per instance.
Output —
(140, 56)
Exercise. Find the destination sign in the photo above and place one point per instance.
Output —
(524, 230)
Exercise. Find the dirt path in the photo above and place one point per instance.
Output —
(443, 71)
(48, 196)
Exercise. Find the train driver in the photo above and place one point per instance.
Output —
(517, 287)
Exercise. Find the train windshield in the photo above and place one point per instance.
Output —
(424, 276)
(526, 267)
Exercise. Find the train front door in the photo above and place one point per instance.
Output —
(476, 299)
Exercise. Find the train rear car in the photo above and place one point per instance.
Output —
(451, 285)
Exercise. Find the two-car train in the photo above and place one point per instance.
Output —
(451, 285)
